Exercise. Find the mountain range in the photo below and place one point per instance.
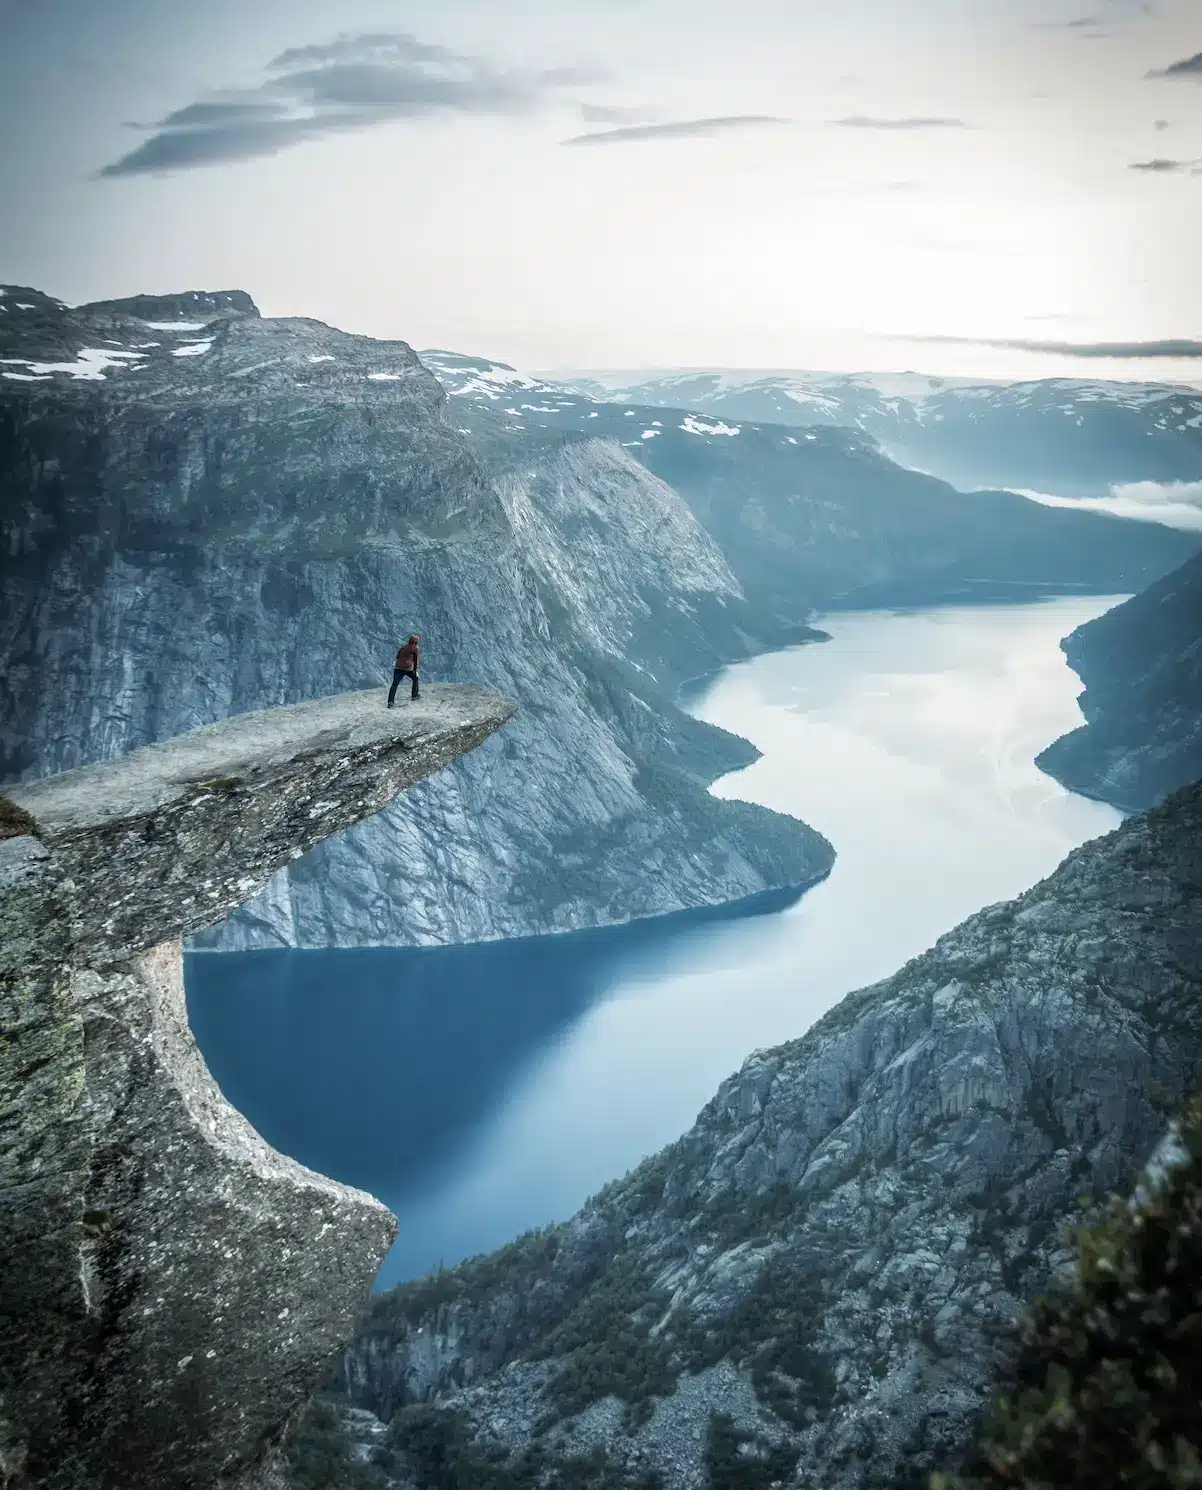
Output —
(817, 1276)
(1141, 664)
(1072, 437)
(208, 511)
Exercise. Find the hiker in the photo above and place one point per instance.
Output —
(408, 660)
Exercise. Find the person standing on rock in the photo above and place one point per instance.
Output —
(408, 660)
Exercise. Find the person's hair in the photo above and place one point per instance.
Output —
(414, 637)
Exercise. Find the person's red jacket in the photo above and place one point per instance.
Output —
(408, 656)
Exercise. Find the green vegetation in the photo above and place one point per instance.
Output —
(772, 1330)
(1105, 1386)
(642, 1189)
(513, 1266)
(740, 1461)
(730, 1217)
(435, 1448)
(15, 822)
(319, 1453)
(608, 1344)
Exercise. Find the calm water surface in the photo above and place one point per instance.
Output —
(485, 1089)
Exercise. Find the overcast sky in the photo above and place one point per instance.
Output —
(960, 186)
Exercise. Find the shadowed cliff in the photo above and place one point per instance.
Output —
(171, 1288)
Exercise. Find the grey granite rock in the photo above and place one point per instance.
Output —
(254, 512)
(171, 1288)
(172, 837)
(1141, 664)
(854, 1214)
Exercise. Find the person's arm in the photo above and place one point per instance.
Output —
(417, 659)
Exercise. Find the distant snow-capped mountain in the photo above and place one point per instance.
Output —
(819, 511)
(1065, 436)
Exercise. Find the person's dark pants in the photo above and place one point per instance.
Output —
(398, 674)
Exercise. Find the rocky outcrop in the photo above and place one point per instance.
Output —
(825, 1256)
(207, 511)
(1141, 664)
(171, 1288)
(822, 512)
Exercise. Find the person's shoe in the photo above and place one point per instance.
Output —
(390, 703)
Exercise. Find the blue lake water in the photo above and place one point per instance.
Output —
(480, 1090)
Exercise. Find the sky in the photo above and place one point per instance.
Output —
(995, 188)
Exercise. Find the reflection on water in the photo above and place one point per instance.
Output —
(480, 1090)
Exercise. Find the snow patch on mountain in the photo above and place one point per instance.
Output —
(90, 365)
(694, 426)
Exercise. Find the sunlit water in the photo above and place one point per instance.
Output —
(485, 1089)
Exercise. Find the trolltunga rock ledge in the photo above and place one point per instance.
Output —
(170, 838)
(171, 1288)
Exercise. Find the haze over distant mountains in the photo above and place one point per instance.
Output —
(1075, 438)
(207, 511)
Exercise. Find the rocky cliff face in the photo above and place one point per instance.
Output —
(206, 511)
(171, 1288)
(1141, 664)
(821, 511)
(823, 1259)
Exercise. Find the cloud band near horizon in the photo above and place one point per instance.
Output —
(866, 121)
(1171, 347)
(677, 129)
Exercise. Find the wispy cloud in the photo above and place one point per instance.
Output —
(1160, 123)
(1076, 23)
(1110, 13)
(1188, 67)
(350, 83)
(868, 121)
(677, 129)
(1176, 347)
(1159, 166)
(605, 113)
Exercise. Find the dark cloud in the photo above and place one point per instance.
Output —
(1171, 348)
(680, 129)
(866, 121)
(1188, 67)
(350, 83)
(216, 115)
(396, 45)
(1159, 166)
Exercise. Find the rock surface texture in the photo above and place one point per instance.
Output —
(823, 512)
(824, 1257)
(171, 1288)
(206, 511)
(1141, 664)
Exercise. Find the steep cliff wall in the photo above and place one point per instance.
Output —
(171, 1288)
(1141, 664)
(824, 1256)
(251, 513)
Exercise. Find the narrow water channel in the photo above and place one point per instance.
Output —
(481, 1090)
